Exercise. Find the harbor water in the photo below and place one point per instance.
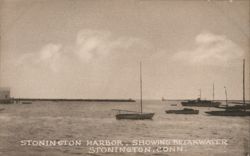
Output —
(95, 121)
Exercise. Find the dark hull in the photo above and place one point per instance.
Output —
(27, 102)
(200, 104)
(229, 113)
(135, 116)
(173, 104)
(182, 111)
(237, 107)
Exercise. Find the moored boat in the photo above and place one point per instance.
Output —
(200, 103)
(234, 110)
(133, 115)
(229, 112)
(26, 102)
(183, 111)
(236, 107)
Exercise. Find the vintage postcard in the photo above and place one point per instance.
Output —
(124, 77)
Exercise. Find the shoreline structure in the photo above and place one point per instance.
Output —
(87, 100)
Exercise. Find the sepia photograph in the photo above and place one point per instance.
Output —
(124, 77)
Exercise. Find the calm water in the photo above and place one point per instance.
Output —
(96, 121)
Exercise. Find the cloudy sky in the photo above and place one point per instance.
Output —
(92, 49)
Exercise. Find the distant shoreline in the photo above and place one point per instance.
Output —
(86, 100)
(97, 100)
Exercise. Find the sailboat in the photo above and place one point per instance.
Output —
(237, 105)
(133, 115)
(234, 111)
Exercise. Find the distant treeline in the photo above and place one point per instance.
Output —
(87, 100)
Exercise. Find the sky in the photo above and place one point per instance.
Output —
(92, 49)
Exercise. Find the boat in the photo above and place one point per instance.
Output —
(173, 105)
(6, 101)
(234, 110)
(240, 105)
(200, 103)
(133, 115)
(229, 112)
(1, 109)
(247, 106)
(183, 111)
(26, 102)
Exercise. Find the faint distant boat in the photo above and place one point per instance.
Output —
(183, 111)
(133, 115)
(234, 110)
(163, 99)
(1, 109)
(26, 102)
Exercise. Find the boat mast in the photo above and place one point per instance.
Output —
(244, 101)
(213, 91)
(141, 86)
(226, 96)
(200, 93)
